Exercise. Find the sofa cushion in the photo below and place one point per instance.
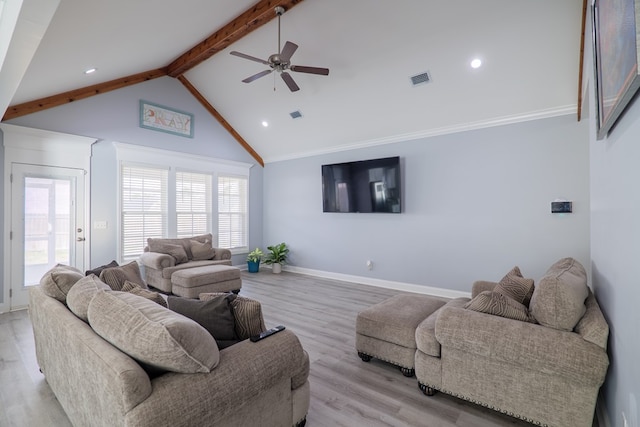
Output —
(559, 299)
(185, 242)
(515, 286)
(57, 282)
(202, 251)
(492, 302)
(215, 315)
(116, 276)
(134, 288)
(247, 314)
(152, 334)
(98, 270)
(82, 293)
(177, 251)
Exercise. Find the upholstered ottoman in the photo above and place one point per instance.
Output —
(191, 282)
(387, 330)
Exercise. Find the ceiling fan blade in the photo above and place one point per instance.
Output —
(249, 57)
(257, 76)
(288, 50)
(310, 70)
(289, 81)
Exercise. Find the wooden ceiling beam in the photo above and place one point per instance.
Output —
(220, 119)
(581, 66)
(78, 94)
(250, 20)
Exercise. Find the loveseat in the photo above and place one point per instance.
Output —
(535, 354)
(119, 359)
(163, 257)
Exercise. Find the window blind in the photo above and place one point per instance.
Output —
(232, 212)
(193, 203)
(143, 207)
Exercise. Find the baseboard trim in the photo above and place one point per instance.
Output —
(379, 283)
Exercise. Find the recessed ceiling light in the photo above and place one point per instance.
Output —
(265, 123)
(90, 70)
(476, 63)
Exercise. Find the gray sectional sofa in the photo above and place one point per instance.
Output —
(118, 359)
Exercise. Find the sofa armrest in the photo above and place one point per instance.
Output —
(157, 260)
(481, 286)
(246, 370)
(532, 346)
(221, 254)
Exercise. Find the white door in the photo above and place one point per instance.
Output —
(47, 224)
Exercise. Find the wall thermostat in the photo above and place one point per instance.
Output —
(561, 207)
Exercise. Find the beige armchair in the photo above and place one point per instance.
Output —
(163, 257)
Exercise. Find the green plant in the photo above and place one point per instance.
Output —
(277, 254)
(255, 255)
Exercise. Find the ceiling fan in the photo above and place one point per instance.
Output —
(281, 62)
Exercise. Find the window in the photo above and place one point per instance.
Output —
(193, 203)
(144, 207)
(232, 212)
(174, 194)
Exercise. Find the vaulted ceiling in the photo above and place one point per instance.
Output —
(530, 52)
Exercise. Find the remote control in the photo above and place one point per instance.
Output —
(267, 333)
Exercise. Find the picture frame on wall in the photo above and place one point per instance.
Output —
(165, 119)
(616, 58)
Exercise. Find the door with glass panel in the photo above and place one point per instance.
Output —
(47, 224)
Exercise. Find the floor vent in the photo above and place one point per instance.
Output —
(420, 79)
(295, 114)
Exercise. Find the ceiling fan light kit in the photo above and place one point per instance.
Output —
(281, 62)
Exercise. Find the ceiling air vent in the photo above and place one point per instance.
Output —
(420, 79)
(295, 114)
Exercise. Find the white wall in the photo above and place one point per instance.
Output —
(475, 204)
(615, 255)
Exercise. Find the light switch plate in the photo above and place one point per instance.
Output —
(561, 207)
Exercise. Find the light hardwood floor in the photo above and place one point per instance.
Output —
(344, 390)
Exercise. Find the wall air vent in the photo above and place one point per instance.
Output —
(296, 114)
(420, 79)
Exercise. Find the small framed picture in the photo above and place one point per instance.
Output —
(165, 119)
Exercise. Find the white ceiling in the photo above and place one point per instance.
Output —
(529, 48)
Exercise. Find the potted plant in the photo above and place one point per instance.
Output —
(277, 256)
(253, 260)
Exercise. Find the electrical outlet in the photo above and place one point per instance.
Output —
(369, 264)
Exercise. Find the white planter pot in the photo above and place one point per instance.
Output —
(276, 268)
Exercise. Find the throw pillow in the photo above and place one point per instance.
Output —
(559, 299)
(82, 293)
(202, 251)
(491, 302)
(152, 334)
(57, 282)
(177, 251)
(515, 286)
(246, 312)
(215, 315)
(134, 288)
(98, 270)
(116, 276)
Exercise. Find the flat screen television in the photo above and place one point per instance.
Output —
(362, 186)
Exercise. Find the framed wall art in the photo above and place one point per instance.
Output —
(165, 119)
(616, 58)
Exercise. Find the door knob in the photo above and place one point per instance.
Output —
(80, 239)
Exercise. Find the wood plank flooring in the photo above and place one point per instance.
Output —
(344, 390)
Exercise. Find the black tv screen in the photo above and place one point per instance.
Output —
(362, 186)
